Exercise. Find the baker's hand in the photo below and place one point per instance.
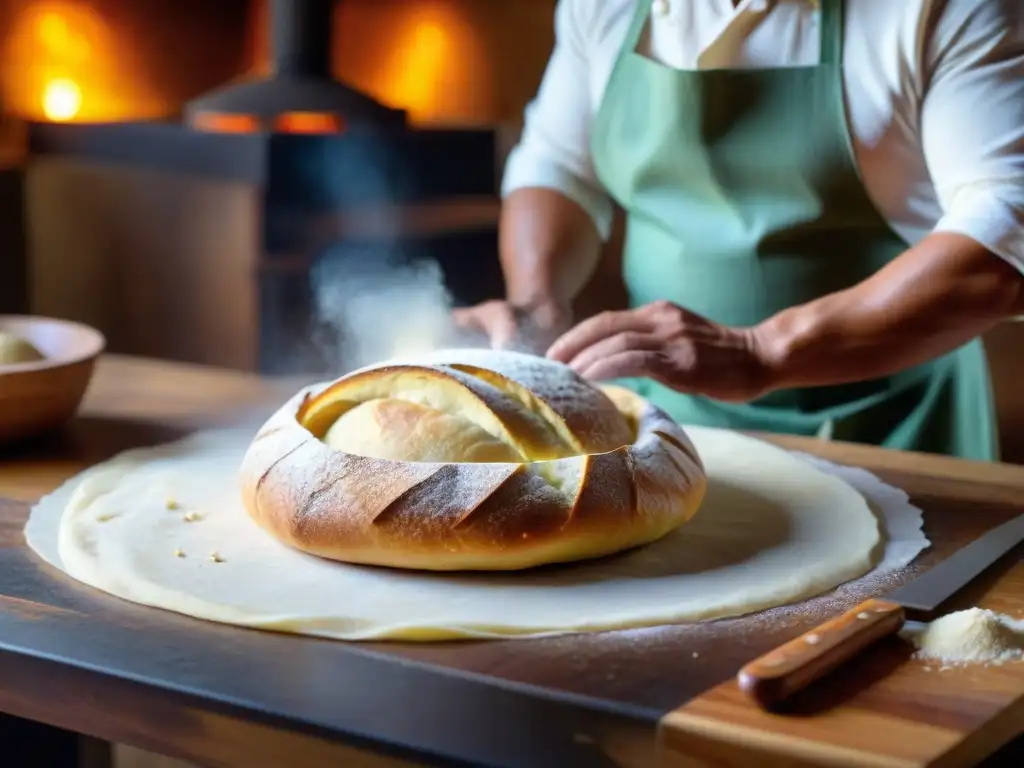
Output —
(507, 326)
(672, 345)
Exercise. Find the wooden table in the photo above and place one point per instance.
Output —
(79, 660)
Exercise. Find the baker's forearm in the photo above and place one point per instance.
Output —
(549, 247)
(938, 295)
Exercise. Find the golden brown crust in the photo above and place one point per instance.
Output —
(588, 484)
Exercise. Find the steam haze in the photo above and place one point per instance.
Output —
(372, 309)
(375, 297)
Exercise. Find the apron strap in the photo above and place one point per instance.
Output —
(636, 28)
(832, 32)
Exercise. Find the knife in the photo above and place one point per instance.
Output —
(774, 677)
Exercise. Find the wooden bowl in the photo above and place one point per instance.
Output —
(42, 395)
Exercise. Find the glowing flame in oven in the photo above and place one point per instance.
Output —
(62, 99)
(63, 61)
(426, 57)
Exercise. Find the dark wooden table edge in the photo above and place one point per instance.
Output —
(535, 726)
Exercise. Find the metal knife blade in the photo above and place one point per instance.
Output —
(935, 586)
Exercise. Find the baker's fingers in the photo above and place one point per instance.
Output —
(626, 365)
(503, 327)
(495, 319)
(628, 341)
(596, 329)
(465, 319)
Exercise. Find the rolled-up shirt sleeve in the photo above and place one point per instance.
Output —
(554, 150)
(972, 122)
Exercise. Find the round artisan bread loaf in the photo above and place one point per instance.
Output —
(469, 460)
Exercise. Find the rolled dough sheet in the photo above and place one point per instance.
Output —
(165, 527)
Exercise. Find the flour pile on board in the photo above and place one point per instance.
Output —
(972, 636)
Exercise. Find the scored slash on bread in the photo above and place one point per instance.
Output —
(469, 460)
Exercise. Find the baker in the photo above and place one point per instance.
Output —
(824, 201)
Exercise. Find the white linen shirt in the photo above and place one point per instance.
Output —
(934, 95)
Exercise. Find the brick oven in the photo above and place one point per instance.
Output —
(192, 231)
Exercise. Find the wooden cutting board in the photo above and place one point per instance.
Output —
(884, 709)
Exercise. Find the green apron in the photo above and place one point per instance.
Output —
(743, 198)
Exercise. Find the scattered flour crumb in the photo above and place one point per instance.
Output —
(974, 636)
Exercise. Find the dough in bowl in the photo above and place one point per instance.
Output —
(14, 350)
(469, 460)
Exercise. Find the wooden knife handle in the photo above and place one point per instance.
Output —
(778, 674)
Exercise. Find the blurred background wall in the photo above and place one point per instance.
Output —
(446, 61)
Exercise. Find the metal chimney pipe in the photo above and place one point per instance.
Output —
(302, 31)
(300, 80)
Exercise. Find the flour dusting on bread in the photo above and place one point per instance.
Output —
(469, 460)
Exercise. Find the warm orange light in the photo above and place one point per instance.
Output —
(434, 65)
(425, 51)
(222, 122)
(307, 122)
(53, 31)
(62, 60)
(62, 99)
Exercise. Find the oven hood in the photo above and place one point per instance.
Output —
(299, 93)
